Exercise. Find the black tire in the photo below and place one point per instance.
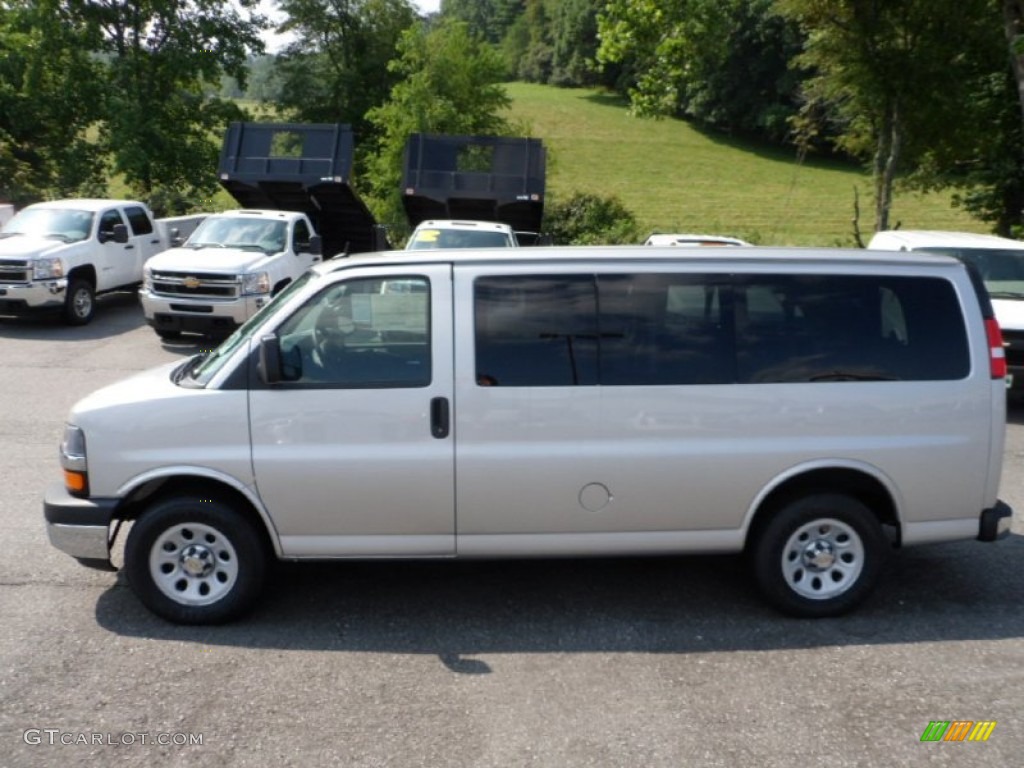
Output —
(195, 560)
(80, 302)
(168, 335)
(819, 555)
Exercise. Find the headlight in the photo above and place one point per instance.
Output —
(147, 279)
(257, 282)
(47, 269)
(73, 461)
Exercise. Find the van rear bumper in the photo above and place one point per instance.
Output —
(995, 522)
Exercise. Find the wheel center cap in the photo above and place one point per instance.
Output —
(196, 560)
(819, 555)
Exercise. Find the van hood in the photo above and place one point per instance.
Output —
(208, 259)
(32, 246)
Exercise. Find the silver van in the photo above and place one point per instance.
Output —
(811, 408)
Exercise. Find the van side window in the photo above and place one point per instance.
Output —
(664, 329)
(536, 331)
(848, 328)
(361, 333)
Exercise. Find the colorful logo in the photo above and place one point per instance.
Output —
(958, 730)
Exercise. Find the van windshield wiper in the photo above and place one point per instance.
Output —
(188, 366)
(840, 375)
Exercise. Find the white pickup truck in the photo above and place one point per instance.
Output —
(59, 255)
(232, 265)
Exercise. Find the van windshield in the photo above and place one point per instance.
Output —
(199, 370)
(1001, 269)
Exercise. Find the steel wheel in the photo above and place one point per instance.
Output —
(195, 560)
(193, 564)
(80, 302)
(818, 555)
(823, 559)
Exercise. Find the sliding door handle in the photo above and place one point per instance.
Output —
(439, 417)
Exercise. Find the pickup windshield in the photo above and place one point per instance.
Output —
(1001, 269)
(57, 223)
(457, 238)
(240, 232)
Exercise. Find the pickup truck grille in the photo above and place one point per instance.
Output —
(187, 284)
(14, 271)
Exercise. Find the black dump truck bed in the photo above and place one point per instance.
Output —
(299, 167)
(482, 178)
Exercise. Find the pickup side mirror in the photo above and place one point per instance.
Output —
(315, 246)
(175, 237)
(119, 234)
(269, 364)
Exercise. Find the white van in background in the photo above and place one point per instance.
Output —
(690, 240)
(1000, 263)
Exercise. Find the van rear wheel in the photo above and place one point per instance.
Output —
(195, 561)
(819, 556)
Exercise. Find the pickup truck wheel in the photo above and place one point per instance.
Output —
(819, 555)
(80, 302)
(195, 561)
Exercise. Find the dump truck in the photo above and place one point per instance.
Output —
(294, 183)
(449, 182)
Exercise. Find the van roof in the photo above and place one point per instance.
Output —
(909, 240)
(751, 256)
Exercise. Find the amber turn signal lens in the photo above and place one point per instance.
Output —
(76, 482)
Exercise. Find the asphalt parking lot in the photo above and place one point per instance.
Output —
(658, 662)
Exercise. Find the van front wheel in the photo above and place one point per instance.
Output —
(195, 561)
(819, 555)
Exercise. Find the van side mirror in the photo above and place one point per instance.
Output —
(269, 365)
(119, 234)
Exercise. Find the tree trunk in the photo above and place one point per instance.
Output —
(886, 161)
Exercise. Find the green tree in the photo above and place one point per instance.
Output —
(450, 82)
(894, 78)
(161, 59)
(488, 20)
(724, 63)
(337, 68)
(49, 98)
(588, 219)
(574, 41)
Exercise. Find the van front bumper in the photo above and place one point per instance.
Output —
(40, 295)
(995, 522)
(79, 527)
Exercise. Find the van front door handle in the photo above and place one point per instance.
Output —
(439, 417)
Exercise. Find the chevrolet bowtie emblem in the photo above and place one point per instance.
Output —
(191, 283)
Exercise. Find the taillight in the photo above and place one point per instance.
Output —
(996, 351)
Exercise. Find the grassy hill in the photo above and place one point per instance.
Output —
(676, 178)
